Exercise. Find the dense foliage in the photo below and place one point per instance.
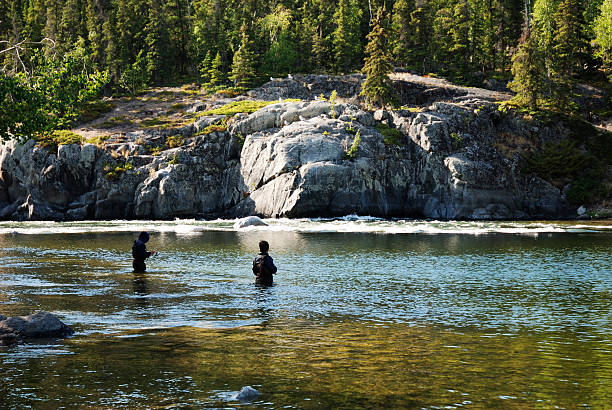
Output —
(466, 40)
(544, 46)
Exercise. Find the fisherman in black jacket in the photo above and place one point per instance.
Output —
(140, 253)
(263, 266)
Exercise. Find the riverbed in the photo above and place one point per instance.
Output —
(364, 313)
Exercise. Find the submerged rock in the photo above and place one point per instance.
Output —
(249, 221)
(247, 393)
(38, 325)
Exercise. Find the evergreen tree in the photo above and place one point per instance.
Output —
(603, 36)
(544, 27)
(71, 25)
(216, 74)
(243, 66)
(157, 43)
(94, 23)
(377, 87)
(346, 37)
(205, 68)
(35, 20)
(570, 46)
(400, 23)
(528, 78)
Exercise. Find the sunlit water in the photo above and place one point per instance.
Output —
(364, 313)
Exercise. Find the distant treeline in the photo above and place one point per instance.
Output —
(157, 42)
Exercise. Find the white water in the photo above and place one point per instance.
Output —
(350, 223)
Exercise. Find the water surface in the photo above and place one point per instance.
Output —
(364, 313)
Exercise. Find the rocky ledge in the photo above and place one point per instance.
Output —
(38, 325)
(458, 159)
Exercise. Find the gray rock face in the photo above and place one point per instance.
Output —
(301, 169)
(38, 325)
(297, 159)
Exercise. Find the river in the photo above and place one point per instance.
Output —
(364, 313)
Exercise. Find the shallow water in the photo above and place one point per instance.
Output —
(364, 313)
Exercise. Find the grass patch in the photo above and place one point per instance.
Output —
(178, 106)
(58, 137)
(99, 140)
(245, 106)
(219, 126)
(392, 136)
(94, 110)
(114, 122)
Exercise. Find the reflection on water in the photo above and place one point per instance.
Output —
(354, 319)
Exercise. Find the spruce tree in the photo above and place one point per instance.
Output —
(570, 47)
(243, 66)
(346, 37)
(205, 68)
(216, 74)
(400, 24)
(603, 36)
(377, 87)
(527, 71)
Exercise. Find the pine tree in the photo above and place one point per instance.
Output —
(346, 36)
(570, 48)
(528, 75)
(377, 87)
(216, 74)
(205, 68)
(94, 22)
(603, 36)
(400, 24)
(544, 27)
(243, 66)
(70, 25)
(156, 38)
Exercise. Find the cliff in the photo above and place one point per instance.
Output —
(452, 154)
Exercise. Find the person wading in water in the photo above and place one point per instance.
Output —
(263, 266)
(140, 253)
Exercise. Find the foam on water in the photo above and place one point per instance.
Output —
(348, 224)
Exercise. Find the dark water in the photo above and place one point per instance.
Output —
(354, 320)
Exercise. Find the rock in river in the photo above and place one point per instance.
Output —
(38, 325)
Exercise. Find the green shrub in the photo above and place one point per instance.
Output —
(58, 137)
(115, 171)
(456, 140)
(174, 141)
(560, 160)
(351, 154)
(392, 136)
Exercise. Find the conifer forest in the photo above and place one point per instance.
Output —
(75, 49)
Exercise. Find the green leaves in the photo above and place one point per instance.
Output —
(50, 98)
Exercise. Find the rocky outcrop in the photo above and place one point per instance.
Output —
(38, 325)
(445, 165)
(452, 160)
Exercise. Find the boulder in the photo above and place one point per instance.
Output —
(38, 325)
(249, 221)
(247, 393)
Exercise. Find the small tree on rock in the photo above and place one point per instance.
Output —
(377, 87)
(216, 76)
(243, 66)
